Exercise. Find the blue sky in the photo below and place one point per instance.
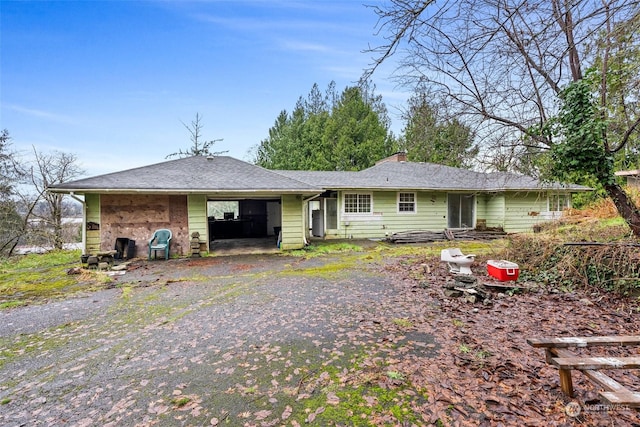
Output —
(111, 81)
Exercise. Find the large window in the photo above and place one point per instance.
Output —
(357, 203)
(559, 202)
(461, 210)
(407, 202)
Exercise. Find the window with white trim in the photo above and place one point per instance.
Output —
(559, 202)
(357, 203)
(407, 202)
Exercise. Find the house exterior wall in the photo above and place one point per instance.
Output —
(481, 209)
(92, 223)
(109, 216)
(523, 211)
(385, 219)
(494, 210)
(292, 222)
(633, 182)
(513, 212)
(197, 207)
(138, 216)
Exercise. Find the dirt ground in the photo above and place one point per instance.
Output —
(267, 340)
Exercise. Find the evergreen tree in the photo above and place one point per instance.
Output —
(428, 138)
(349, 131)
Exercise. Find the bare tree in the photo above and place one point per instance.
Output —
(199, 147)
(49, 169)
(504, 65)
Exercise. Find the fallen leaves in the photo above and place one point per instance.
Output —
(379, 346)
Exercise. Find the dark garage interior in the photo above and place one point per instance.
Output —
(243, 219)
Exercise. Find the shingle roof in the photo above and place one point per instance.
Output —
(226, 174)
(192, 174)
(425, 176)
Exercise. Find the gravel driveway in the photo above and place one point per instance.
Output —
(243, 340)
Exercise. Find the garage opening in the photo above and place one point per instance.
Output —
(243, 219)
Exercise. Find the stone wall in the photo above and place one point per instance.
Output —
(138, 216)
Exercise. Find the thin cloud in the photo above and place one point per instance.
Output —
(41, 114)
(300, 46)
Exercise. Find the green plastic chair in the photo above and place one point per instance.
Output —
(162, 239)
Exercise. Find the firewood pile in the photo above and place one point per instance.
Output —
(419, 236)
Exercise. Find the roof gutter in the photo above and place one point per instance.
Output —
(305, 216)
(179, 191)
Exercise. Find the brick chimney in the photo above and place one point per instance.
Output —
(398, 157)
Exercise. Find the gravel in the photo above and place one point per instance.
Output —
(189, 342)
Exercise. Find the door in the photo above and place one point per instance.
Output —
(460, 210)
(317, 221)
(331, 210)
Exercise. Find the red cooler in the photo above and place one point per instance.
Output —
(503, 270)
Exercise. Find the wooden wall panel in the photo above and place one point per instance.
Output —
(138, 216)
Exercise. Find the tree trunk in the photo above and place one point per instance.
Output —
(626, 207)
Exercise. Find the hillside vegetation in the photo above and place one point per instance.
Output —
(589, 247)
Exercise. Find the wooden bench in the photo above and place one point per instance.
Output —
(556, 354)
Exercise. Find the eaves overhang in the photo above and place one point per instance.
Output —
(174, 191)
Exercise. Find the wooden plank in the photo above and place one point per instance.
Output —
(566, 383)
(596, 362)
(597, 377)
(605, 381)
(564, 342)
(627, 398)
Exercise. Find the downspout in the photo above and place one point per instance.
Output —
(84, 220)
(305, 222)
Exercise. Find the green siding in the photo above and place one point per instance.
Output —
(481, 207)
(92, 206)
(494, 210)
(431, 213)
(292, 222)
(514, 212)
(197, 211)
(523, 210)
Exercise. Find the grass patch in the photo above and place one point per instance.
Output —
(428, 250)
(403, 323)
(126, 291)
(37, 276)
(10, 304)
(326, 271)
(457, 323)
(323, 248)
(180, 401)
(376, 394)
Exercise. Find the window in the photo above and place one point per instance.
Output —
(559, 202)
(331, 209)
(461, 209)
(357, 203)
(407, 202)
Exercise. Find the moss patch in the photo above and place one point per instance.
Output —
(34, 277)
(322, 248)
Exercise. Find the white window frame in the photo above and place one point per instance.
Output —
(358, 195)
(554, 200)
(414, 202)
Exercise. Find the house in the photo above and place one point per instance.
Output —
(394, 195)
(632, 176)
